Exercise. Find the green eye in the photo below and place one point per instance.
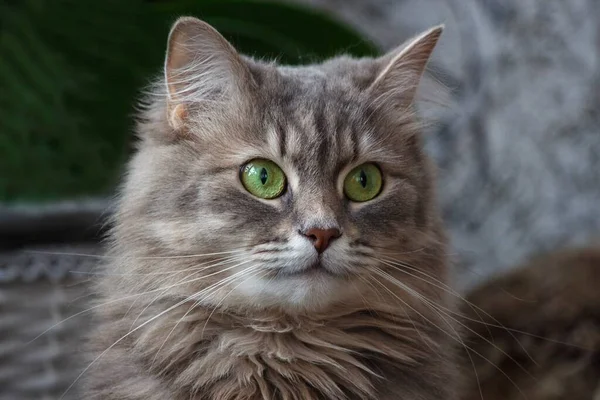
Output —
(363, 183)
(263, 178)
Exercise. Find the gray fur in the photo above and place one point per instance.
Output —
(367, 326)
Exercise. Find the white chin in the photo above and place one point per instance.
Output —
(296, 291)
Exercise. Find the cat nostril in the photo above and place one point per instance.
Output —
(322, 237)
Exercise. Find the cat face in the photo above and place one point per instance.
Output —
(265, 185)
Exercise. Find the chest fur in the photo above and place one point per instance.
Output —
(334, 360)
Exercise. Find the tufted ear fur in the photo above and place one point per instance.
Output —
(201, 67)
(403, 67)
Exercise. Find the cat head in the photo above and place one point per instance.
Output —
(269, 185)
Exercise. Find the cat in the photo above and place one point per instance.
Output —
(534, 333)
(277, 235)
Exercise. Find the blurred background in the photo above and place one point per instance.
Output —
(518, 149)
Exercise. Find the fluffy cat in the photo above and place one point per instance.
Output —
(540, 339)
(277, 236)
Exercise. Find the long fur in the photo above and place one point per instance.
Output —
(205, 295)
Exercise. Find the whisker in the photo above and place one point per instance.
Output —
(474, 370)
(171, 272)
(451, 291)
(211, 289)
(364, 300)
(412, 308)
(468, 350)
(498, 324)
(412, 322)
(464, 345)
(78, 298)
(197, 269)
(400, 253)
(136, 295)
(251, 273)
(434, 306)
(99, 256)
(186, 281)
(377, 292)
(121, 339)
(474, 307)
(440, 308)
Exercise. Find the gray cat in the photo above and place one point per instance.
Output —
(277, 235)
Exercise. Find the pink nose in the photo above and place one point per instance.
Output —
(322, 237)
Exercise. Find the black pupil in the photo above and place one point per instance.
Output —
(363, 178)
(263, 175)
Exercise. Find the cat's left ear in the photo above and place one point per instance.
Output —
(403, 68)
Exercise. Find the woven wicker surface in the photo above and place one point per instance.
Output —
(37, 291)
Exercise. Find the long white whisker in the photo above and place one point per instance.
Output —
(449, 290)
(99, 256)
(423, 339)
(466, 351)
(438, 307)
(170, 272)
(433, 306)
(251, 273)
(412, 308)
(186, 281)
(136, 295)
(196, 269)
(205, 293)
(121, 339)
(463, 344)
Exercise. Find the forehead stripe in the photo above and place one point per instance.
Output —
(282, 134)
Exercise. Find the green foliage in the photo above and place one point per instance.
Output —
(71, 70)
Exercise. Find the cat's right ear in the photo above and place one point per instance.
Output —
(403, 68)
(201, 67)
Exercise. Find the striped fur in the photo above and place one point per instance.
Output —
(366, 328)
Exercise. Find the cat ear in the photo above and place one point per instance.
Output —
(201, 66)
(403, 68)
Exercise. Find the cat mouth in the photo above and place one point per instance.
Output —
(313, 270)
